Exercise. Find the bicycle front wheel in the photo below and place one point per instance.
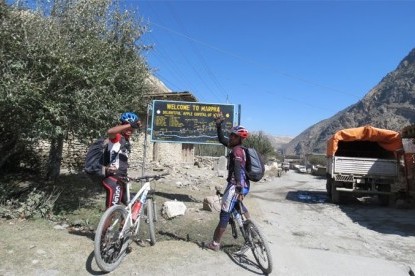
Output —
(259, 246)
(109, 247)
(150, 221)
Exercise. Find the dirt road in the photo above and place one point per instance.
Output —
(307, 234)
(314, 237)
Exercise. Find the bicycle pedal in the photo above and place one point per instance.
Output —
(242, 251)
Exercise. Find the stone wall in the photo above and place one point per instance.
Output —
(164, 154)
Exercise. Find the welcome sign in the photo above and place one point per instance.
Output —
(188, 122)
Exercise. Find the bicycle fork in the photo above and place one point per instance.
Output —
(233, 227)
(235, 231)
(246, 235)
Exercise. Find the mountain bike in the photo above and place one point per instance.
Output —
(120, 224)
(253, 237)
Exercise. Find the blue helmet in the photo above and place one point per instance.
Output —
(129, 117)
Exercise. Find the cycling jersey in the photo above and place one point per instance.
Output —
(118, 150)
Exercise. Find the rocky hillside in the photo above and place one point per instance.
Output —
(389, 105)
(278, 142)
(157, 85)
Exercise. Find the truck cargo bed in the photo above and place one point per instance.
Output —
(359, 166)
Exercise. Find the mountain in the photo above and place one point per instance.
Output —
(157, 85)
(389, 105)
(278, 142)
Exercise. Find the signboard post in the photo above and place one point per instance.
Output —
(188, 122)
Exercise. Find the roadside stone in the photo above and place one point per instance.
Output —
(173, 209)
(60, 227)
(211, 203)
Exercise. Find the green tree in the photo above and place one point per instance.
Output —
(317, 160)
(262, 144)
(69, 68)
(210, 150)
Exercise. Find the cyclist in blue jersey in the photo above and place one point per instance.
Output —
(238, 183)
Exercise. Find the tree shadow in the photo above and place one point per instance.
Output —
(179, 197)
(386, 220)
(82, 232)
(364, 211)
(76, 190)
(176, 237)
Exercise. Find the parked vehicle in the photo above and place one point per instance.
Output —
(302, 169)
(285, 166)
(319, 171)
(364, 161)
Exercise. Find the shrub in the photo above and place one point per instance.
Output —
(26, 202)
(210, 150)
(262, 144)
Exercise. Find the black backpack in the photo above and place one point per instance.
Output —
(95, 161)
(254, 167)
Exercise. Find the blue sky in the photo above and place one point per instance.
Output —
(290, 64)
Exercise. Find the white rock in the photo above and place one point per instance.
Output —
(173, 209)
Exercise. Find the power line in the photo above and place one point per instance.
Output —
(198, 54)
(262, 66)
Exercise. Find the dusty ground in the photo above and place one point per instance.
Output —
(308, 236)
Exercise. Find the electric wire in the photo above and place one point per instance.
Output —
(198, 54)
(262, 66)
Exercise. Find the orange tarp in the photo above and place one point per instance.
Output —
(388, 139)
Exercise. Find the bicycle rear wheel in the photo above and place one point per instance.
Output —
(109, 247)
(259, 246)
(150, 221)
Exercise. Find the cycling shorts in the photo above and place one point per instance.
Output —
(230, 197)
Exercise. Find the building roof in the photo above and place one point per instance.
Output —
(173, 96)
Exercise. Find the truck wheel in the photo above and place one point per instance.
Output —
(328, 187)
(335, 195)
(383, 200)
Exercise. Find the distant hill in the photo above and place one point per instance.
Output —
(278, 142)
(389, 105)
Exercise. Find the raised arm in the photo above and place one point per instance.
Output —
(222, 139)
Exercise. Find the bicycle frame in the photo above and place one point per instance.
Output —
(142, 194)
(234, 221)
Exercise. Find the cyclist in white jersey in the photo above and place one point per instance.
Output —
(116, 156)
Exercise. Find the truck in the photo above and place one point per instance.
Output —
(364, 161)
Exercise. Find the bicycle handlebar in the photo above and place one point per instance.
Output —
(148, 177)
